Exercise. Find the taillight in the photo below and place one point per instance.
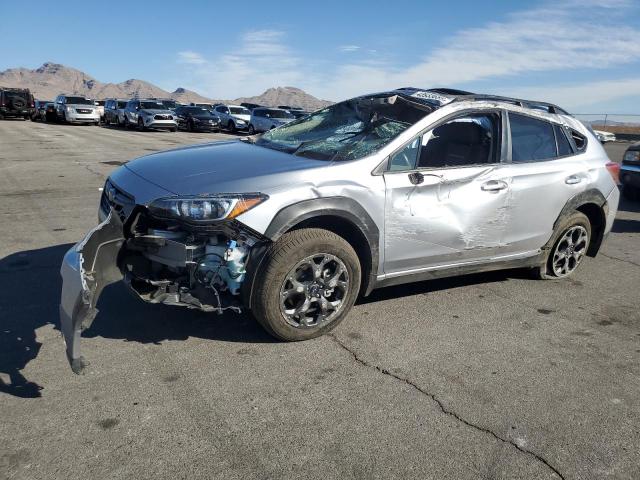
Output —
(614, 171)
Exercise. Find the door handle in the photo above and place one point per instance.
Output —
(494, 185)
(572, 180)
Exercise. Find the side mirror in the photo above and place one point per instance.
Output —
(416, 178)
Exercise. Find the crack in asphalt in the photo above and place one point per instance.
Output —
(620, 259)
(442, 407)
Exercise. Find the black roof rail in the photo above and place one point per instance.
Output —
(532, 104)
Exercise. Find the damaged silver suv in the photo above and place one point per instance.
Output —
(382, 189)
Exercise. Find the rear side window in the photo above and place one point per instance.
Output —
(564, 147)
(531, 139)
(580, 140)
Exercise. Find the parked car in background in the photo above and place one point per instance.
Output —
(208, 106)
(113, 108)
(50, 112)
(250, 106)
(149, 114)
(16, 102)
(197, 119)
(233, 117)
(76, 109)
(100, 107)
(264, 119)
(383, 189)
(630, 172)
(605, 137)
(39, 110)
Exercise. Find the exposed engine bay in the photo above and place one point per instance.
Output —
(170, 263)
(180, 268)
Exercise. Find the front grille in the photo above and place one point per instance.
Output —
(112, 197)
(163, 117)
(83, 110)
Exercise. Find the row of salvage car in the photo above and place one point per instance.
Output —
(164, 114)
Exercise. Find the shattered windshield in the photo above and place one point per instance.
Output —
(348, 130)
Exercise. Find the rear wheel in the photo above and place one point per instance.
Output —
(569, 246)
(307, 283)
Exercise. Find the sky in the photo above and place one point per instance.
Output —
(581, 54)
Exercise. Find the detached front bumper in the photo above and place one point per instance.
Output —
(87, 268)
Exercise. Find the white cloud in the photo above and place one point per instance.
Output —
(577, 96)
(192, 58)
(260, 60)
(567, 35)
(349, 48)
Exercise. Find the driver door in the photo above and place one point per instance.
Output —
(447, 196)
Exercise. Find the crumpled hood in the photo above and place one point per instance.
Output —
(222, 167)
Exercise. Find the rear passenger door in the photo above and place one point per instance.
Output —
(545, 171)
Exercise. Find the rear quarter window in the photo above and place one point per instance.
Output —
(531, 139)
(564, 146)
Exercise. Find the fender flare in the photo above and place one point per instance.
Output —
(590, 196)
(291, 215)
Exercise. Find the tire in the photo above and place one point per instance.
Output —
(125, 123)
(290, 258)
(577, 222)
(173, 129)
(252, 130)
(64, 117)
(141, 125)
(231, 126)
(190, 126)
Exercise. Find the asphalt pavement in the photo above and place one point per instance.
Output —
(485, 376)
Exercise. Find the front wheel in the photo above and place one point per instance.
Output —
(252, 130)
(307, 283)
(569, 246)
(231, 126)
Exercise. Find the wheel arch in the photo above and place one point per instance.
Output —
(594, 205)
(340, 215)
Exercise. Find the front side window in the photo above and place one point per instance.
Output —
(531, 139)
(405, 159)
(469, 140)
(348, 130)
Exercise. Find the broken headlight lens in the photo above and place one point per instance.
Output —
(205, 209)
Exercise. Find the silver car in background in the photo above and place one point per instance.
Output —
(264, 119)
(383, 189)
(76, 109)
(149, 114)
(233, 117)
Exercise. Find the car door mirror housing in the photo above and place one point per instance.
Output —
(416, 178)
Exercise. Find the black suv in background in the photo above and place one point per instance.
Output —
(630, 172)
(16, 102)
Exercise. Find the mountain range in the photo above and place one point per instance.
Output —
(52, 79)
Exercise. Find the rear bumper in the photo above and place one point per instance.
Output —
(611, 209)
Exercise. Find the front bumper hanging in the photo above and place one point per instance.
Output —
(87, 268)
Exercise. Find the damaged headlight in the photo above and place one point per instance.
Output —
(205, 209)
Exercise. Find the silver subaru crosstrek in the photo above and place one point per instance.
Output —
(383, 189)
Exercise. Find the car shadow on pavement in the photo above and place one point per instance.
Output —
(429, 286)
(30, 282)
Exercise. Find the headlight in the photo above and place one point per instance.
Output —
(205, 209)
(69, 109)
(196, 120)
(240, 121)
(632, 156)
